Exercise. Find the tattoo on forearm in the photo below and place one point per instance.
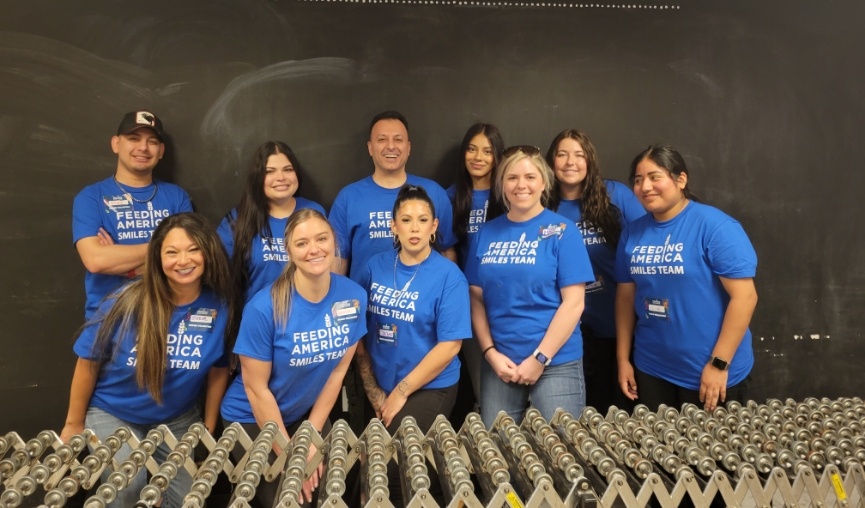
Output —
(404, 388)
(373, 391)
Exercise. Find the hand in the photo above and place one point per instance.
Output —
(528, 371)
(502, 366)
(392, 406)
(713, 387)
(70, 430)
(311, 483)
(627, 381)
(104, 237)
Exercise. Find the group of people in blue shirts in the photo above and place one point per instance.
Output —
(556, 288)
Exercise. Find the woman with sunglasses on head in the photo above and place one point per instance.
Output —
(527, 283)
(296, 342)
(252, 232)
(153, 346)
(599, 208)
(418, 317)
(473, 204)
(686, 293)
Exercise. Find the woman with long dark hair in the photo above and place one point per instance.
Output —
(686, 293)
(252, 232)
(154, 345)
(599, 208)
(474, 202)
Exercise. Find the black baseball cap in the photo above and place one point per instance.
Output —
(135, 120)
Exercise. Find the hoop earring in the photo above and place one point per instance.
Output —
(395, 241)
(432, 239)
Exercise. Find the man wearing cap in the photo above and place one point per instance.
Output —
(112, 220)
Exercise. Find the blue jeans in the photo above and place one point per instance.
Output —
(560, 386)
(104, 424)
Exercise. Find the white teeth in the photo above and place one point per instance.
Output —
(186, 271)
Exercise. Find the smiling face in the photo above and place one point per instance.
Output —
(479, 159)
(280, 180)
(182, 261)
(569, 164)
(658, 192)
(413, 225)
(522, 188)
(137, 152)
(311, 246)
(389, 146)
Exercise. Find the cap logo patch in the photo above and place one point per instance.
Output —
(144, 117)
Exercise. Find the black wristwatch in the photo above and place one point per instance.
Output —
(719, 363)
(542, 358)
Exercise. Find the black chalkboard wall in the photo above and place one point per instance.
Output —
(764, 98)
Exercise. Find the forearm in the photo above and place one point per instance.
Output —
(320, 411)
(110, 259)
(217, 382)
(432, 364)
(737, 318)
(480, 324)
(83, 383)
(265, 408)
(367, 376)
(625, 322)
(561, 328)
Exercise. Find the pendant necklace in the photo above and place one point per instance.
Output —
(407, 284)
(133, 198)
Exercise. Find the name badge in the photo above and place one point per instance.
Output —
(346, 311)
(657, 308)
(114, 204)
(200, 319)
(387, 334)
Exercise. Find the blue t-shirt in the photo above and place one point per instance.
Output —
(477, 217)
(196, 342)
(267, 254)
(680, 301)
(361, 216)
(129, 222)
(304, 354)
(521, 268)
(600, 313)
(431, 305)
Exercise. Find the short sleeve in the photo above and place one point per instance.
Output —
(574, 266)
(257, 328)
(86, 214)
(453, 319)
(730, 252)
(226, 232)
(338, 219)
(624, 198)
(622, 273)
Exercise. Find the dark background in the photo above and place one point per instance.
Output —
(763, 97)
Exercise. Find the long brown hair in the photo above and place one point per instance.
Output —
(595, 200)
(146, 305)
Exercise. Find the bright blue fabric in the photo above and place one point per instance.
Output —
(680, 302)
(267, 255)
(600, 313)
(404, 326)
(129, 222)
(304, 354)
(521, 268)
(361, 216)
(477, 217)
(196, 338)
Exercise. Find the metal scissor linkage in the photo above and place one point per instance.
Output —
(789, 454)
